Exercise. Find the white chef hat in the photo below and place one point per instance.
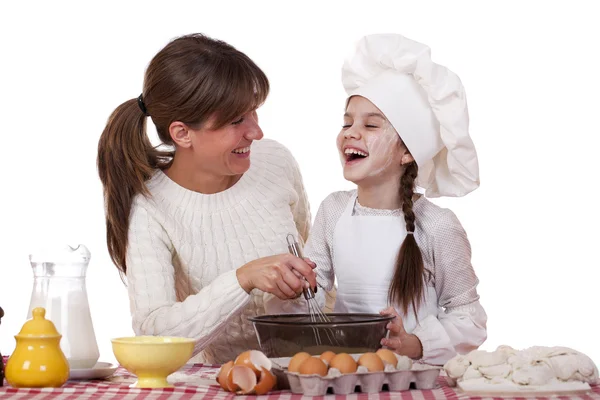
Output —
(425, 103)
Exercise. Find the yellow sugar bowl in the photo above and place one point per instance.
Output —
(38, 360)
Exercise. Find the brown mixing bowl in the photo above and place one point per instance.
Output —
(284, 335)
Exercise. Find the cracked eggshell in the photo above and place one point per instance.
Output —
(222, 379)
(266, 382)
(241, 379)
(255, 360)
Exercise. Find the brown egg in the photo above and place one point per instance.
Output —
(372, 362)
(222, 377)
(255, 360)
(344, 363)
(327, 356)
(313, 366)
(266, 382)
(295, 362)
(387, 356)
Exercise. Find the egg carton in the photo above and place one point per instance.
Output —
(423, 376)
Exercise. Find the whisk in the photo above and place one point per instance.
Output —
(315, 313)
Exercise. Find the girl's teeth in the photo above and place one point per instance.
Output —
(354, 151)
(241, 151)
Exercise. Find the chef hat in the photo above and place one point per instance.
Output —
(425, 103)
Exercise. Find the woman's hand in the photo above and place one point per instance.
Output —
(399, 340)
(282, 275)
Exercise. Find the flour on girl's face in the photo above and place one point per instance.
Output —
(366, 131)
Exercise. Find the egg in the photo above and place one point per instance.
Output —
(327, 356)
(387, 356)
(313, 366)
(255, 360)
(294, 365)
(222, 376)
(371, 362)
(344, 363)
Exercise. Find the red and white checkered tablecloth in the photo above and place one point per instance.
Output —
(197, 381)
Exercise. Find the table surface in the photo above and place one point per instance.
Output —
(197, 381)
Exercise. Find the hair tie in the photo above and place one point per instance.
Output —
(410, 233)
(142, 106)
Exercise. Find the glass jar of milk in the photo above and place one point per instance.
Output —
(59, 287)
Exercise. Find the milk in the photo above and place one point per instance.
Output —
(60, 288)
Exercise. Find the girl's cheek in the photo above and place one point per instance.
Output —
(381, 145)
(339, 140)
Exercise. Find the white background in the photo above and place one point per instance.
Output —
(531, 76)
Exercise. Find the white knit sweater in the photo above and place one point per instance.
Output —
(184, 248)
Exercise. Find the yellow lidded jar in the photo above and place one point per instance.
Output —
(38, 360)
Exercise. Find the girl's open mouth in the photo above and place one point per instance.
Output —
(354, 155)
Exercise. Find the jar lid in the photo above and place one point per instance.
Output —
(39, 326)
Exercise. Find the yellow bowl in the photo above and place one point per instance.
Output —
(152, 358)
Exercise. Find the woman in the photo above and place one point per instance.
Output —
(200, 231)
(390, 249)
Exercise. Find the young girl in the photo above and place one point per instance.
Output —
(390, 249)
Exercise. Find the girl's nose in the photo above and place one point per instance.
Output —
(352, 133)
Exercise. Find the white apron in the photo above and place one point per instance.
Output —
(365, 249)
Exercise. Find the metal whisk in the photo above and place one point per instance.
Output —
(314, 311)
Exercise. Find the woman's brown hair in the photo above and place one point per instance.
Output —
(191, 79)
(408, 284)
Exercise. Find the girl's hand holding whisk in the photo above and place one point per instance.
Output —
(398, 339)
(278, 275)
